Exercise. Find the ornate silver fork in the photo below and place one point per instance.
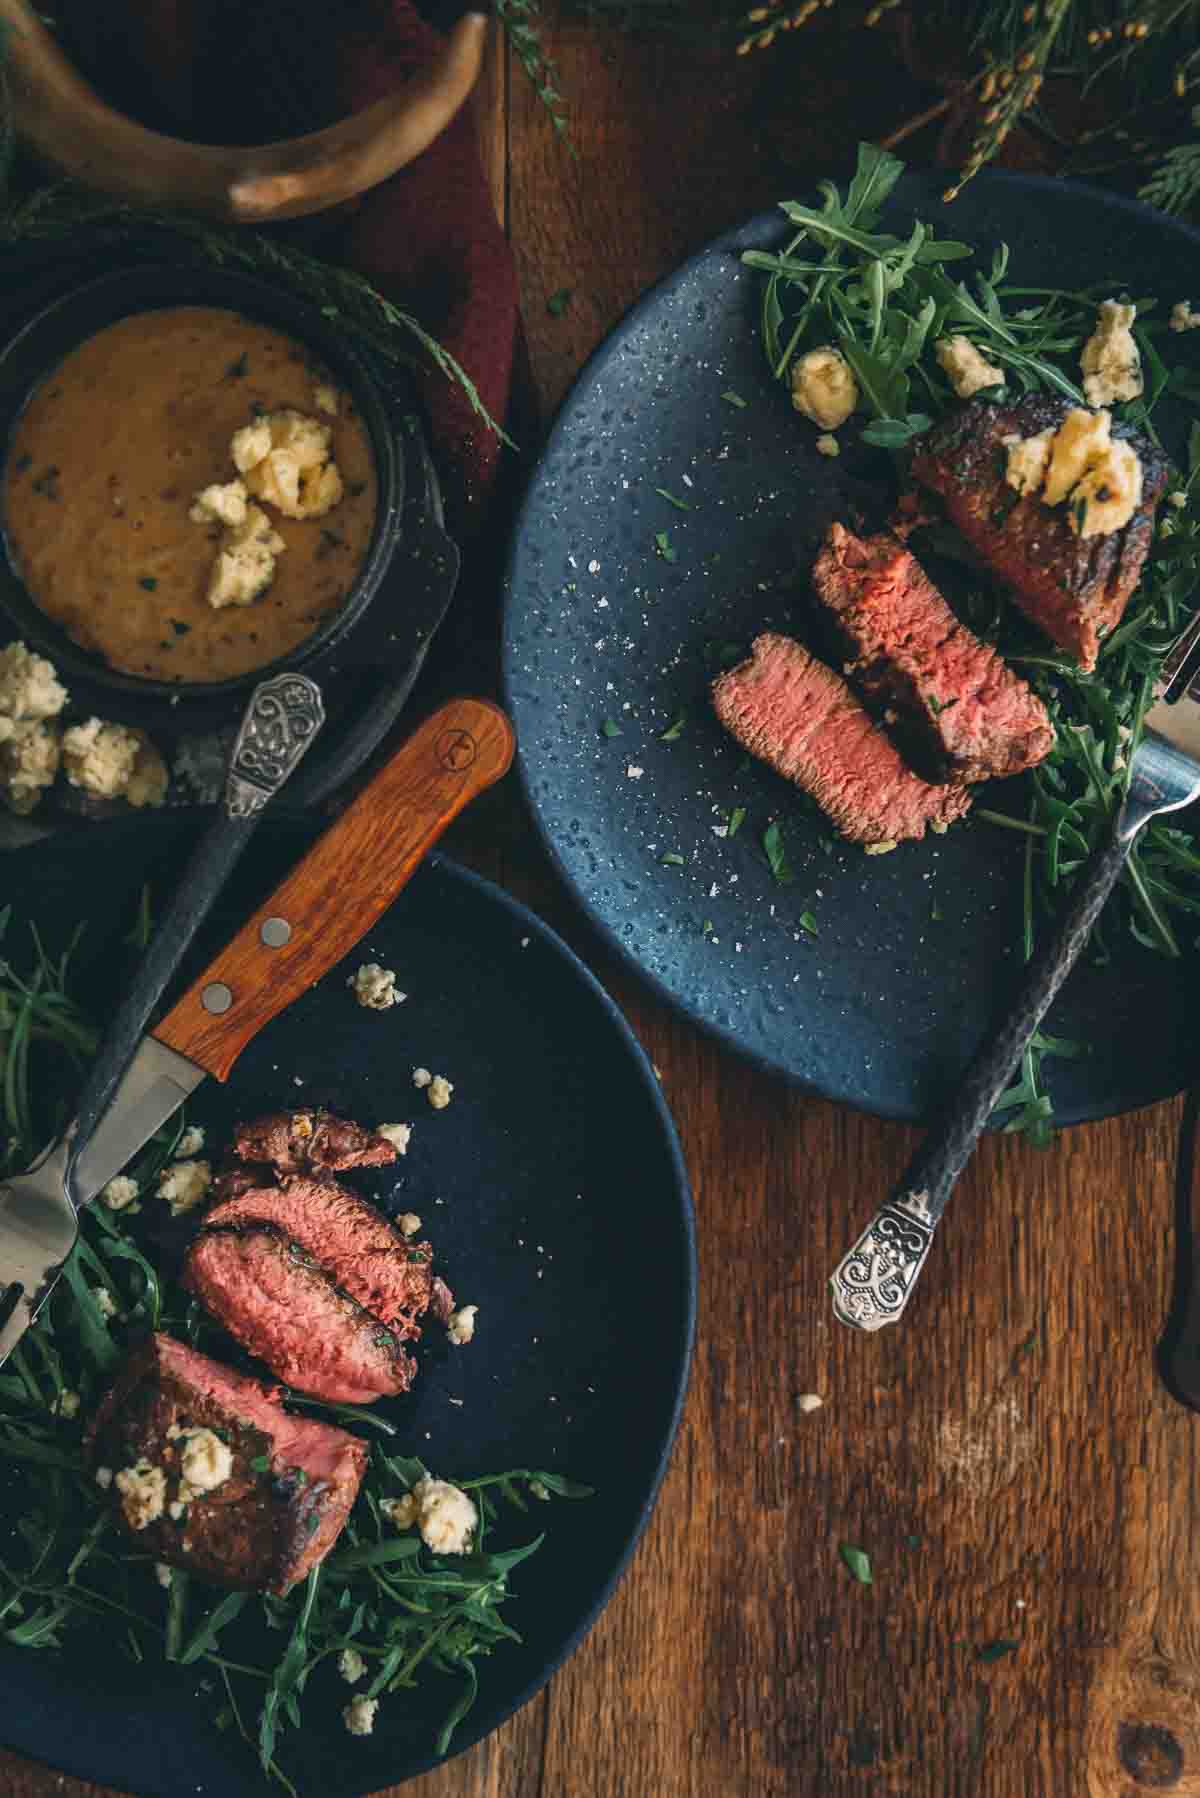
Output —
(874, 1282)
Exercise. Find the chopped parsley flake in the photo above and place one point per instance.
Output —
(680, 505)
(664, 547)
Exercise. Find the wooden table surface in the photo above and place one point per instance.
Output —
(1007, 1458)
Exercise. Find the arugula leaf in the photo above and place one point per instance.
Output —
(894, 433)
(874, 178)
(883, 386)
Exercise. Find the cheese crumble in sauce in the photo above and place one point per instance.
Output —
(129, 438)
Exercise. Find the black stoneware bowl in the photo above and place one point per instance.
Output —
(67, 321)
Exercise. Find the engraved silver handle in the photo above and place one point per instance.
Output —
(283, 717)
(873, 1283)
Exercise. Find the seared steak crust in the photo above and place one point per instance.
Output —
(291, 1488)
(300, 1142)
(384, 1272)
(977, 718)
(800, 717)
(1074, 588)
(283, 1307)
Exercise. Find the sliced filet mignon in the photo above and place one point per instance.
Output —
(301, 1142)
(281, 1305)
(799, 716)
(292, 1482)
(1075, 588)
(976, 717)
(387, 1274)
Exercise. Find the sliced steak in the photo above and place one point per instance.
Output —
(800, 717)
(289, 1491)
(1075, 588)
(281, 1305)
(301, 1142)
(973, 713)
(354, 1243)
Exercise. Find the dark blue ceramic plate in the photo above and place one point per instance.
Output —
(913, 951)
(574, 1239)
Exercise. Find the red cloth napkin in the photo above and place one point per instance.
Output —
(249, 71)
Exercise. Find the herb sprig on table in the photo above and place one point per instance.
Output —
(884, 301)
(68, 1569)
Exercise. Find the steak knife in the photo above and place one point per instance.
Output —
(315, 916)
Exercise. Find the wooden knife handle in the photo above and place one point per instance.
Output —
(349, 877)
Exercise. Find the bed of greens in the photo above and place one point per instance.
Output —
(67, 1568)
(883, 301)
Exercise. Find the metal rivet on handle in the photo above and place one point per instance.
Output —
(275, 932)
(216, 997)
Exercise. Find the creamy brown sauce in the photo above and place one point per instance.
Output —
(103, 467)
